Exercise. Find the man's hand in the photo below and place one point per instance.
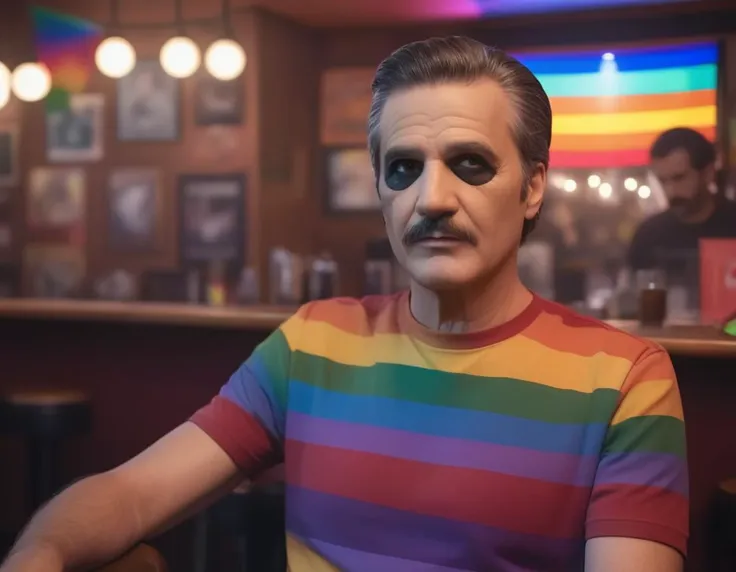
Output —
(32, 559)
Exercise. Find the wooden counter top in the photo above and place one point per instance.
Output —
(691, 340)
(233, 317)
(676, 339)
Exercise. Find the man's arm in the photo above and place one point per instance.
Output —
(638, 513)
(611, 554)
(102, 516)
(237, 436)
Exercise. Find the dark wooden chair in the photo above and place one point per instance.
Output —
(142, 558)
(243, 531)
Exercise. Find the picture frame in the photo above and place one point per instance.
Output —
(212, 215)
(219, 102)
(148, 104)
(345, 100)
(76, 134)
(134, 210)
(350, 181)
(56, 204)
(9, 165)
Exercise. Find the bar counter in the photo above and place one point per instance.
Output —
(147, 367)
(264, 318)
(686, 340)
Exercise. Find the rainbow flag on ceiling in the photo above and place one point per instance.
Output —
(66, 45)
(610, 106)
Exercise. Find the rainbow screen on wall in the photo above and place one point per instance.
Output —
(609, 106)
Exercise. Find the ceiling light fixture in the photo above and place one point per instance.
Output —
(180, 56)
(4, 85)
(31, 81)
(115, 56)
(225, 59)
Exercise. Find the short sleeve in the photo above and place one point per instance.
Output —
(247, 417)
(641, 484)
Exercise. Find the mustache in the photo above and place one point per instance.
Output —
(427, 227)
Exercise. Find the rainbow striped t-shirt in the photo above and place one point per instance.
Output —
(504, 450)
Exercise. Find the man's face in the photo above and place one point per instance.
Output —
(451, 182)
(685, 187)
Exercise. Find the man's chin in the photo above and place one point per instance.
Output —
(440, 276)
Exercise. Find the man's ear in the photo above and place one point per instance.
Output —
(709, 175)
(535, 188)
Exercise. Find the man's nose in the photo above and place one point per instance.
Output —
(437, 192)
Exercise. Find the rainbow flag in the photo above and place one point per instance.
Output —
(66, 45)
(609, 106)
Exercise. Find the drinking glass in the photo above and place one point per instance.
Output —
(652, 286)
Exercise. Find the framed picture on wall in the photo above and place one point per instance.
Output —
(148, 104)
(345, 99)
(212, 218)
(351, 184)
(134, 209)
(8, 155)
(76, 134)
(219, 102)
(56, 205)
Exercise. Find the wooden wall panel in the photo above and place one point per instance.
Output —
(199, 149)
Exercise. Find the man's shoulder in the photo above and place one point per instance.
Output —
(656, 223)
(583, 335)
(345, 316)
(727, 211)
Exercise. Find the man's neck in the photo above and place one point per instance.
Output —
(471, 309)
(702, 214)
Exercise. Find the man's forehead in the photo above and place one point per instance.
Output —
(677, 160)
(480, 110)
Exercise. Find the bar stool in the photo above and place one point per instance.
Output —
(44, 419)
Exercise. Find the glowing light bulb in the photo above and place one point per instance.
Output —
(225, 59)
(115, 57)
(31, 81)
(594, 181)
(631, 184)
(180, 57)
(569, 186)
(4, 85)
(605, 190)
(644, 192)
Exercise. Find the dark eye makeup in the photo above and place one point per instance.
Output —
(470, 167)
(401, 173)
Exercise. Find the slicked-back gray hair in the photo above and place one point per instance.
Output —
(458, 58)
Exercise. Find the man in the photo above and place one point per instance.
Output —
(684, 162)
(464, 425)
